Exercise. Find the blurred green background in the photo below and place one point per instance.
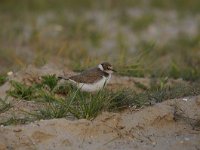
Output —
(153, 38)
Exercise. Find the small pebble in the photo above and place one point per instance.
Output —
(181, 142)
(185, 99)
(186, 139)
(153, 143)
(17, 130)
(10, 73)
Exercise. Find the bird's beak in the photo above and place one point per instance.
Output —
(113, 70)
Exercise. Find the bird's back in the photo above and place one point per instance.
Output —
(89, 76)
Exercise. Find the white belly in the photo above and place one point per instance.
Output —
(94, 86)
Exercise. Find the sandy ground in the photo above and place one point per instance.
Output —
(168, 125)
(173, 124)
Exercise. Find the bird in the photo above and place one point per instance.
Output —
(93, 79)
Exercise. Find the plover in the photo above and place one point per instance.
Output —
(93, 79)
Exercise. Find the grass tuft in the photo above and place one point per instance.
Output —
(21, 91)
(129, 98)
(4, 105)
(50, 81)
(56, 109)
(3, 79)
(88, 106)
(55, 106)
(16, 121)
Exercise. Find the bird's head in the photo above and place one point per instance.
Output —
(106, 67)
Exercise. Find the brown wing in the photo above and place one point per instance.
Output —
(89, 76)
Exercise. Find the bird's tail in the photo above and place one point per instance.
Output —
(62, 77)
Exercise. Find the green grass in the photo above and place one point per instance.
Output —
(35, 91)
(50, 81)
(3, 79)
(178, 59)
(4, 105)
(136, 65)
(142, 22)
(55, 109)
(21, 91)
(88, 106)
(66, 101)
(78, 104)
(16, 121)
(187, 73)
(179, 5)
(154, 95)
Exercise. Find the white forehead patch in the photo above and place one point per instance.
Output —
(100, 67)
